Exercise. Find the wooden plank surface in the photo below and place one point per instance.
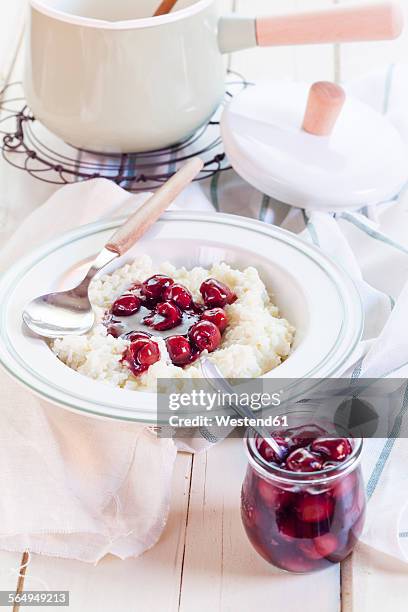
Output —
(150, 583)
(9, 570)
(222, 572)
(203, 561)
(373, 584)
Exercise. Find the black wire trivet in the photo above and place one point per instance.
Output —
(26, 144)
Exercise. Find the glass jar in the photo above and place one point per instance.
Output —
(303, 522)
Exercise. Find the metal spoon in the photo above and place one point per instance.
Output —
(219, 383)
(70, 312)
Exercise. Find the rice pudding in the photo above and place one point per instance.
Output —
(155, 321)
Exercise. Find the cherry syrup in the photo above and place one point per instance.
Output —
(159, 306)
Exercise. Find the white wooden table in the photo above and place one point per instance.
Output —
(203, 562)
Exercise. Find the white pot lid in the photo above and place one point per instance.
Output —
(362, 162)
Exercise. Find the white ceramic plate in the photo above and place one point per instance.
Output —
(312, 292)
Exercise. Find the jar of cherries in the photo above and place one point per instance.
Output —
(303, 511)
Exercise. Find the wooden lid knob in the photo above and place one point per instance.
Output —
(324, 106)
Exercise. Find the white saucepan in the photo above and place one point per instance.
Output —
(106, 75)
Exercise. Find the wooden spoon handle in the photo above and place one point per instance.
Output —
(146, 215)
(165, 7)
(350, 23)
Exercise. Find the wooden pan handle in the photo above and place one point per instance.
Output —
(324, 106)
(165, 7)
(339, 24)
(146, 215)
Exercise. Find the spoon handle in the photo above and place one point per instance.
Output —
(337, 24)
(216, 380)
(146, 215)
(165, 7)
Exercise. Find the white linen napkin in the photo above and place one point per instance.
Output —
(74, 484)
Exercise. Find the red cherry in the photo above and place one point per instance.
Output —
(326, 544)
(166, 316)
(141, 354)
(216, 316)
(304, 435)
(149, 354)
(134, 336)
(312, 530)
(179, 350)
(250, 513)
(286, 527)
(206, 336)
(154, 286)
(315, 508)
(336, 449)
(302, 460)
(216, 294)
(135, 346)
(126, 305)
(308, 548)
(247, 511)
(267, 452)
(268, 493)
(178, 294)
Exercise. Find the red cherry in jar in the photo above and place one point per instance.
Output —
(267, 451)
(304, 435)
(303, 516)
(335, 449)
(302, 460)
(315, 508)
